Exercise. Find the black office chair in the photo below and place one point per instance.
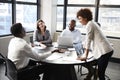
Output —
(8, 71)
(31, 39)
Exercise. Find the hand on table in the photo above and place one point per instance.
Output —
(42, 45)
(82, 58)
(59, 50)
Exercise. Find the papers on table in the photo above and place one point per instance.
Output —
(39, 47)
(62, 58)
(55, 56)
(71, 49)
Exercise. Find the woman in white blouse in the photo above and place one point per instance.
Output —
(20, 52)
(102, 50)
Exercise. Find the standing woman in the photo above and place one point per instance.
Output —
(102, 50)
(42, 36)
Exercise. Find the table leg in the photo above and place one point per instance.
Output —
(60, 72)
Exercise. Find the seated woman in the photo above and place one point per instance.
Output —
(41, 35)
(20, 52)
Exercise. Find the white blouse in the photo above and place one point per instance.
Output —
(100, 44)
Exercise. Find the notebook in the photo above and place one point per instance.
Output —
(65, 42)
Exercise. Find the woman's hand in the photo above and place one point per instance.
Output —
(82, 58)
(42, 45)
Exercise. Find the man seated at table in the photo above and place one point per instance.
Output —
(75, 34)
(20, 52)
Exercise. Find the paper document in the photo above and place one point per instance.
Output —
(71, 49)
(39, 47)
(55, 56)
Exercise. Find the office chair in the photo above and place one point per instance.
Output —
(8, 71)
(31, 39)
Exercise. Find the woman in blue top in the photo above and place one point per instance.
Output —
(42, 35)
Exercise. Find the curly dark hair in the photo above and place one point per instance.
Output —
(85, 13)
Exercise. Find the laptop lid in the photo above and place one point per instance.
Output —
(65, 41)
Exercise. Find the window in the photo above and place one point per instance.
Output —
(5, 18)
(106, 12)
(109, 17)
(110, 2)
(26, 15)
(27, 1)
(72, 7)
(23, 11)
(81, 1)
(60, 1)
(60, 18)
(71, 14)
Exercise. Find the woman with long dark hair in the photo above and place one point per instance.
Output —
(41, 34)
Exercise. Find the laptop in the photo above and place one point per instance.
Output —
(65, 42)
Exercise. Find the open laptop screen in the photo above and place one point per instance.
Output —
(65, 41)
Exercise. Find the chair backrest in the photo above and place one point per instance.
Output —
(8, 70)
(31, 39)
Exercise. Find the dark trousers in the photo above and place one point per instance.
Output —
(31, 72)
(91, 69)
(102, 65)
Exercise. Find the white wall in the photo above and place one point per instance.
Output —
(48, 14)
(116, 46)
